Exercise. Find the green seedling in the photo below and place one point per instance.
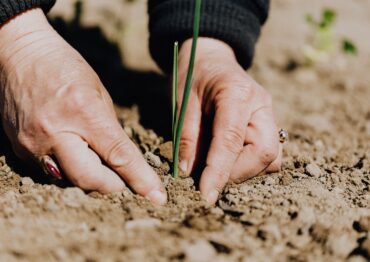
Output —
(323, 41)
(178, 121)
(175, 90)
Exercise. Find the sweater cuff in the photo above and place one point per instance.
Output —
(11, 8)
(233, 22)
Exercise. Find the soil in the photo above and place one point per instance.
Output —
(316, 209)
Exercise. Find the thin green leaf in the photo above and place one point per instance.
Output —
(328, 18)
(188, 84)
(175, 88)
(349, 47)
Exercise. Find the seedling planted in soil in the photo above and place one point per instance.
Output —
(178, 119)
(323, 41)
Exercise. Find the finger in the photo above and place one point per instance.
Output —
(226, 145)
(262, 149)
(276, 165)
(120, 154)
(83, 167)
(190, 136)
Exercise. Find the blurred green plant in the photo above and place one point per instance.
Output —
(323, 41)
(178, 119)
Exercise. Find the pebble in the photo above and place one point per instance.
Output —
(27, 181)
(2, 160)
(199, 251)
(129, 131)
(144, 223)
(307, 216)
(269, 181)
(313, 170)
(342, 245)
(365, 223)
(217, 211)
(233, 191)
(154, 160)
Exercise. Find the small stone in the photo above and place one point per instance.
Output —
(313, 170)
(307, 216)
(199, 251)
(2, 160)
(217, 211)
(365, 224)
(144, 223)
(154, 160)
(342, 245)
(269, 181)
(27, 181)
(233, 191)
(129, 131)
(286, 180)
(5, 169)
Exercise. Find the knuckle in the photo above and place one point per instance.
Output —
(117, 154)
(268, 154)
(23, 141)
(78, 99)
(233, 139)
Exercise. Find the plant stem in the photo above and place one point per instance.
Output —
(188, 85)
(175, 88)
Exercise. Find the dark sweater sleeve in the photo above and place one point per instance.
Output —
(11, 8)
(236, 22)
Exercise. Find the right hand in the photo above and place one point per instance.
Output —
(53, 103)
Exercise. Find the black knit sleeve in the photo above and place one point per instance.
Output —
(236, 22)
(11, 8)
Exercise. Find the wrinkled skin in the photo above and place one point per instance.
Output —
(245, 138)
(52, 102)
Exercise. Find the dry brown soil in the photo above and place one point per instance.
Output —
(316, 209)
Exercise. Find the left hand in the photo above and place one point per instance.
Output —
(245, 140)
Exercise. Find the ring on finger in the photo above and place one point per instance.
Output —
(283, 136)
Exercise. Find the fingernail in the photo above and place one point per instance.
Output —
(53, 171)
(184, 166)
(212, 197)
(157, 197)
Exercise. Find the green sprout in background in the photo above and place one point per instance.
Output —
(178, 119)
(323, 38)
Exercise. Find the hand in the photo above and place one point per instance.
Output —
(53, 103)
(245, 139)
